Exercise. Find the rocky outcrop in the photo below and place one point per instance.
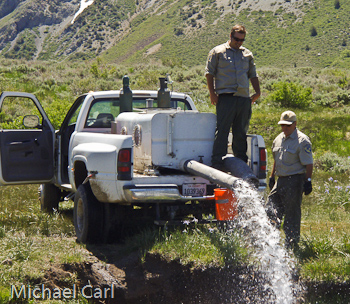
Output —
(8, 6)
(31, 14)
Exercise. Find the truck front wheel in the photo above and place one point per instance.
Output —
(88, 216)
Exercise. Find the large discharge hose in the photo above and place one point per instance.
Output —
(221, 178)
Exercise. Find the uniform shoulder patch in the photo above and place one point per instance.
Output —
(210, 55)
(308, 149)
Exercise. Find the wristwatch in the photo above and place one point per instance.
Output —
(309, 179)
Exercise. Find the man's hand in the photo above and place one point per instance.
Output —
(213, 96)
(254, 98)
(256, 86)
(271, 182)
(307, 187)
(214, 99)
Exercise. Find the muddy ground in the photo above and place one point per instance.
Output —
(158, 281)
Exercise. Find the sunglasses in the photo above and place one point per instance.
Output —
(237, 39)
(286, 126)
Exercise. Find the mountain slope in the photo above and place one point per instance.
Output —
(24, 23)
(281, 32)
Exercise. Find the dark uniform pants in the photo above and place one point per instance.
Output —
(285, 200)
(232, 111)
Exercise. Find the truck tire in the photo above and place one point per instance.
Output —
(49, 196)
(88, 216)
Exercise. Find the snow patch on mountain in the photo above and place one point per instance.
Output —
(83, 5)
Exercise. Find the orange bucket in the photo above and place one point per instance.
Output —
(225, 204)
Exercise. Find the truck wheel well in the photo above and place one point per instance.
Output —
(80, 173)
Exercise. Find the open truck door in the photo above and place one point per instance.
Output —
(26, 140)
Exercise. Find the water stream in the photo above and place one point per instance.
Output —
(265, 245)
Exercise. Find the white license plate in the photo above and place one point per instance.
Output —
(195, 190)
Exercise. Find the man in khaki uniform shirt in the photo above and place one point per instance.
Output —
(229, 68)
(293, 164)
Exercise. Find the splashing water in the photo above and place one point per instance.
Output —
(264, 241)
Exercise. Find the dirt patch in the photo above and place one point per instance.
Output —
(142, 44)
(153, 49)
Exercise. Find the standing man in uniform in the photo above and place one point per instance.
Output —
(293, 164)
(229, 68)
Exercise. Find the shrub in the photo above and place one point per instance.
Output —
(313, 31)
(56, 112)
(290, 95)
(333, 99)
(326, 100)
(336, 4)
(344, 97)
(333, 162)
(345, 54)
(178, 31)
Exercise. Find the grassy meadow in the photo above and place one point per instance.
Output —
(31, 242)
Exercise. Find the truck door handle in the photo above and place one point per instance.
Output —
(17, 143)
(24, 142)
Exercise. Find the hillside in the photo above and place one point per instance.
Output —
(284, 33)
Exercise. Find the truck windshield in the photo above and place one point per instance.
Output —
(104, 110)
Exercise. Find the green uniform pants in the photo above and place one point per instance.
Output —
(232, 111)
(284, 200)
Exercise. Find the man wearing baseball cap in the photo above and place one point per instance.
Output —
(293, 164)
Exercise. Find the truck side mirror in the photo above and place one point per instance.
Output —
(31, 121)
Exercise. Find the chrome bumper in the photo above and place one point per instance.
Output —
(158, 193)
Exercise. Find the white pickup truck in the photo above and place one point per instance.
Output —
(116, 166)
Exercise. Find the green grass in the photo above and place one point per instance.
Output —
(201, 247)
(328, 129)
(325, 229)
(31, 241)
